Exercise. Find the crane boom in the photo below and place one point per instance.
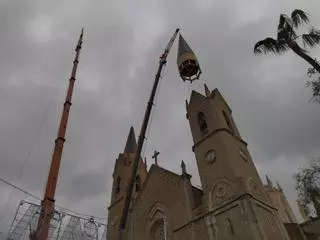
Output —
(47, 208)
(162, 62)
(168, 47)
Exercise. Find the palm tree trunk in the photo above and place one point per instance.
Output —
(305, 56)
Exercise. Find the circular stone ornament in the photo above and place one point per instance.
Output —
(210, 156)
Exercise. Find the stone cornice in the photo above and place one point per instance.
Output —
(223, 207)
(217, 131)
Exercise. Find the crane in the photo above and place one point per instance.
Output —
(162, 62)
(47, 208)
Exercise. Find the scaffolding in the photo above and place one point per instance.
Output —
(63, 225)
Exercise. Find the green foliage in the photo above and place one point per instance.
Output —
(299, 17)
(270, 45)
(314, 83)
(312, 38)
(308, 187)
(287, 38)
(287, 35)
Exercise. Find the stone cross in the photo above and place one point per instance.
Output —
(155, 157)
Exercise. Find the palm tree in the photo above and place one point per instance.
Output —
(287, 38)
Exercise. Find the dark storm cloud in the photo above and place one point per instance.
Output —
(122, 43)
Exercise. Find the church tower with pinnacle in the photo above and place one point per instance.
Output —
(121, 177)
(233, 193)
(232, 203)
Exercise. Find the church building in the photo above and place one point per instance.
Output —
(232, 203)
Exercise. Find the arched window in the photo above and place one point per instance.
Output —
(138, 183)
(226, 118)
(118, 184)
(158, 230)
(202, 123)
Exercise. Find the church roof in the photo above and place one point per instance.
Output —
(154, 168)
(196, 192)
(131, 144)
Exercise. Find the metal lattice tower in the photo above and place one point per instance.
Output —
(63, 225)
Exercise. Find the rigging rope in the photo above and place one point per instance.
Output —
(38, 198)
(27, 157)
(20, 189)
(50, 103)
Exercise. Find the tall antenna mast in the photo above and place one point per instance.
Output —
(47, 204)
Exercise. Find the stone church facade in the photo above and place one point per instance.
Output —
(232, 204)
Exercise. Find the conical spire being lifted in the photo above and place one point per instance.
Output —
(183, 46)
(188, 65)
(131, 144)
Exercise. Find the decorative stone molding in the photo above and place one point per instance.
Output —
(221, 190)
(158, 212)
(253, 187)
(170, 178)
(211, 227)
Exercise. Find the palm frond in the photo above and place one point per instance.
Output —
(285, 28)
(312, 38)
(299, 17)
(282, 20)
(270, 45)
(282, 46)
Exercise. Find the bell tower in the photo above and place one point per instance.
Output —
(237, 205)
(121, 177)
(220, 151)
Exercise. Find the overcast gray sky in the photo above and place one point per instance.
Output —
(122, 43)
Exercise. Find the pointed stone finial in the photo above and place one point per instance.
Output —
(269, 181)
(207, 91)
(183, 168)
(145, 164)
(279, 186)
(131, 144)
